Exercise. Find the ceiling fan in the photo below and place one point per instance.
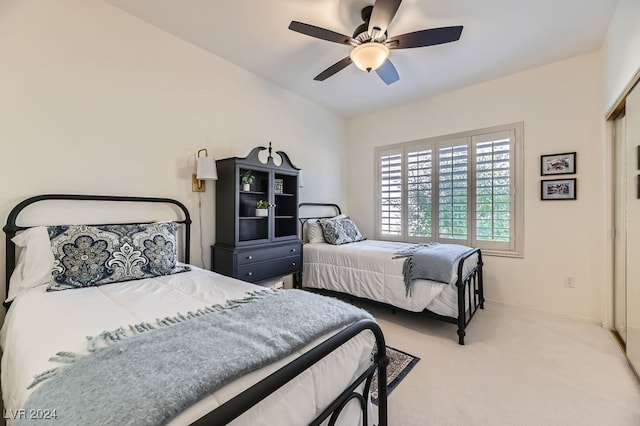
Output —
(371, 44)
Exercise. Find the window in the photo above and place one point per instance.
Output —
(462, 189)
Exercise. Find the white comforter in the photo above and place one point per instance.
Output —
(40, 324)
(367, 269)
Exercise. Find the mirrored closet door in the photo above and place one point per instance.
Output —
(620, 225)
(633, 227)
(627, 226)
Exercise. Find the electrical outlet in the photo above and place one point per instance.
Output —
(570, 282)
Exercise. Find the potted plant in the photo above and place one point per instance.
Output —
(247, 178)
(262, 208)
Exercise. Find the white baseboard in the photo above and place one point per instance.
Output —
(547, 312)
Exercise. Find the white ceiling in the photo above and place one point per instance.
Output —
(500, 37)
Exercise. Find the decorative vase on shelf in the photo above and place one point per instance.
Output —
(262, 208)
(246, 179)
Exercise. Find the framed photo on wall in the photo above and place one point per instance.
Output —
(558, 164)
(558, 189)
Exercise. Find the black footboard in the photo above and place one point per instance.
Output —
(256, 393)
(470, 293)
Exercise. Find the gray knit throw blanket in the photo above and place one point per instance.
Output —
(430, 261)
(146, 374)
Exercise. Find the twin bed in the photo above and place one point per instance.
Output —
(142, 338)
(186, 346)
(372, 270)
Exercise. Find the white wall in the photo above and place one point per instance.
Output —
(93, 100)
(621, 50)
(561, 106)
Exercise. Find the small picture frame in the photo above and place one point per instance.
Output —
(558, 164)
(278, 186)
(558, 189)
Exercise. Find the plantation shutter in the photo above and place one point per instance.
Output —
(494, 182)
(453, 200)
(420, 192)
(390, 214)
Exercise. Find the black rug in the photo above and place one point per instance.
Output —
(399, 366)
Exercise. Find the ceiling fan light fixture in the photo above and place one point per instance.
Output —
(369, 56)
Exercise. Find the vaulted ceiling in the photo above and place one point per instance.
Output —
(500, 37)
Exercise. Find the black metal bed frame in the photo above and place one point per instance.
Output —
(471, 284)
(242, 402)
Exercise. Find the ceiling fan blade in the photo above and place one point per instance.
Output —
(321, 33)
(382, 15)
(338, 66)
(423, 38)
(388, 73)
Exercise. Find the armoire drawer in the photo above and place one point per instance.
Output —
(267, 253)
(259, 271)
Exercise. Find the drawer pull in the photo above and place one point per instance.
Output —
(249, 257)
(293, 250)
(249, 273)
(293, 263)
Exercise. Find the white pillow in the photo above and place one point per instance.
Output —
(314, 233)
(35, 261)
(314, 230)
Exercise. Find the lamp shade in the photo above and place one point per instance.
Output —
(206, 169)
(369, 56)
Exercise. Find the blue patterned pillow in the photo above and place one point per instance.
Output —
(340, 231)
(86, 256)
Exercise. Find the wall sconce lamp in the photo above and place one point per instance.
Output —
(205, 170)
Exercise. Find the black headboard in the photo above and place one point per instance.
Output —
(11, 228)
(303, 218)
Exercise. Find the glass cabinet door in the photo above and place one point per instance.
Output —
(285, 197)
(251, 226)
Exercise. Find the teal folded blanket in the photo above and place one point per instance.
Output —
(147, 374)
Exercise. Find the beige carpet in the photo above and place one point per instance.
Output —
(518, 368)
